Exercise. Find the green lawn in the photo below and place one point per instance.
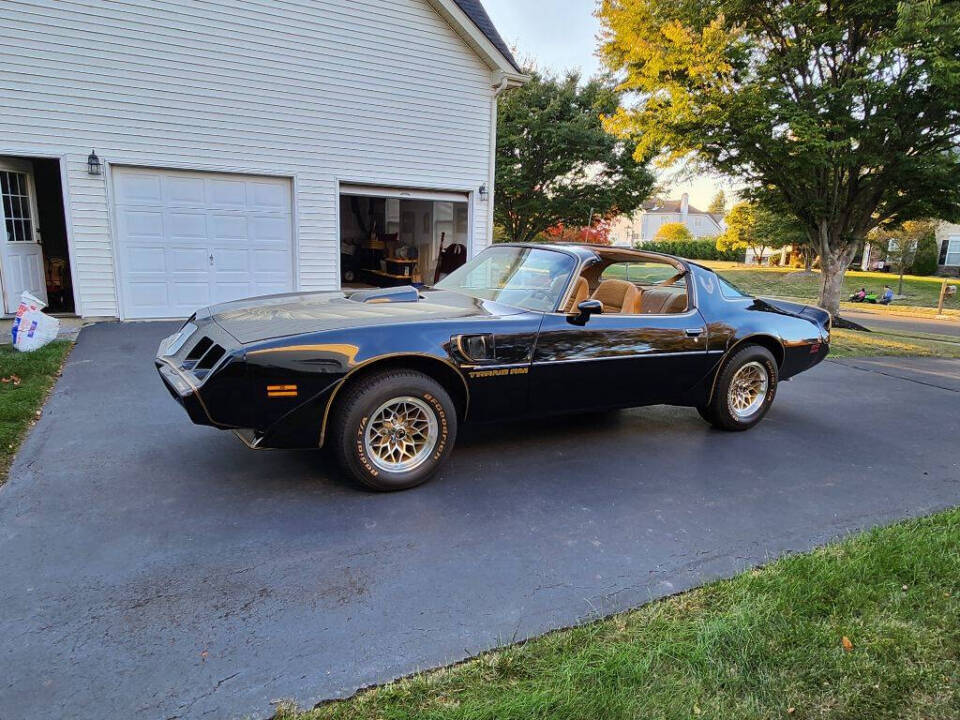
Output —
(919, 291)
(851, 343)
(20, 401)
(766, 644)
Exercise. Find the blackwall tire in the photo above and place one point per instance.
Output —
(393, 430)
(745, 390)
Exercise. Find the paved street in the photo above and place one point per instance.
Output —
(153, 569)
(880, 322)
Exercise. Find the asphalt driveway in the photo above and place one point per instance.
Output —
(152, 569)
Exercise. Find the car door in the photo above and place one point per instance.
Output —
(617, 360)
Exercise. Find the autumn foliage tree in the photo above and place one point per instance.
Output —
(673, 232)
(597, 234)
(718, 206)
(844, 114)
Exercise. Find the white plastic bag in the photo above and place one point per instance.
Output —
(32, 328)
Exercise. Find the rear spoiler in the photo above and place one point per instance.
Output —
(816, 315)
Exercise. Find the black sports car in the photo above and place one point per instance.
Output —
(384, 377)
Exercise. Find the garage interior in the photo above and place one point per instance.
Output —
(387, 241)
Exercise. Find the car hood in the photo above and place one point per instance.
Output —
(279, 316)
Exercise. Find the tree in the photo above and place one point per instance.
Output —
(718, 206)
(556, 164)
(900, 245)
(673, 232)
(927, 257)
(755, 227)
(846, 114)
(742, 231)
(597, 234)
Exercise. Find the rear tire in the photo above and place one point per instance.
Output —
(745, 390)
(393, 430)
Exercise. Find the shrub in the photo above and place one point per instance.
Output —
(927, 257)
(699, 249)
(673, 232)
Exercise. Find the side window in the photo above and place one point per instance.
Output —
(643, 273)
(662, 292)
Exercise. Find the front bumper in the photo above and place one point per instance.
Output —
(183, 390)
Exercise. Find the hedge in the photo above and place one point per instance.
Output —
(702, 249)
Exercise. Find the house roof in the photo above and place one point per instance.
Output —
(659, 205)
(673, 207)
(474, 10)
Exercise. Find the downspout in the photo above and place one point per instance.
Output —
(492, 172)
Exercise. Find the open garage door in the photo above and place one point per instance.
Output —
(398, 236)
(190, 239)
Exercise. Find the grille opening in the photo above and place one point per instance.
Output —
(211, 357)
(200, 348)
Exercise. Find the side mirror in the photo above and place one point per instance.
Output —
(586, 309)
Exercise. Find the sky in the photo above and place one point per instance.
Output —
(562, 34)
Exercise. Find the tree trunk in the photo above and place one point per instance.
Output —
(831, 284)
(835, 255)
(808, 260)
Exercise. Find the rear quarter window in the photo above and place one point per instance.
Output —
(730, 291)
(642, 273)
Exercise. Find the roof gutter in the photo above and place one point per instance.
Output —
(507, 81)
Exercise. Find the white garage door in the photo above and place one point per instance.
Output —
(187, 239)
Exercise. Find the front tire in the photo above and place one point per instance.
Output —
(745, 390)
(393, 430)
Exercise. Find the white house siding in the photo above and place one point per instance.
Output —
(318, 90)
(948, 245)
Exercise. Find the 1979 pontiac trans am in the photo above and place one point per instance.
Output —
(383, 378)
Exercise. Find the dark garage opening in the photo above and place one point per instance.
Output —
(52, 225)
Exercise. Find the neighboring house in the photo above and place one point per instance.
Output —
(653, 214)
(783, 255)
(230, 137)
(948, 242)
(948, 238)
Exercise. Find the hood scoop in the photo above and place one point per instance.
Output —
(405, 294)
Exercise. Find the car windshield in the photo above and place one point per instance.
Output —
(530, 278)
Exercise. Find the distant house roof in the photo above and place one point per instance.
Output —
(673, 207)
(475, 11)
(659, 205)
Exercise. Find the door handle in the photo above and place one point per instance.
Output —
(693, 332)
(211, 258)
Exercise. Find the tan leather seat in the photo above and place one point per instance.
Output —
(661, 301)
(677, 304)
(619, 296)
(581, 292)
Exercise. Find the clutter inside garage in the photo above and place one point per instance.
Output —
(390, 241)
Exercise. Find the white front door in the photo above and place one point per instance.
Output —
(21, 255)
(191, 239)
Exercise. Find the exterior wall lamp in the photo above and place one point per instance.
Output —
(93, 163)
(484, 193)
